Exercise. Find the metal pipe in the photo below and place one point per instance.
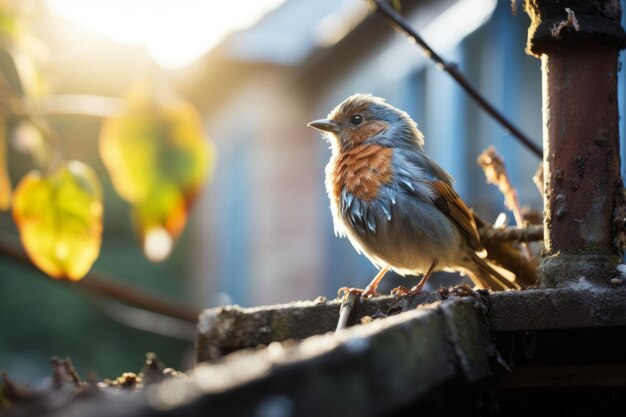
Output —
(578, 43)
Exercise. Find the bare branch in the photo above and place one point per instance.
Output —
(97, 284)
(532, 233)
(346, 308)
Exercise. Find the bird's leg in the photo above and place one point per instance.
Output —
(370, 290)
(418, 288)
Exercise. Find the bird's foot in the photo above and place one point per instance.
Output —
(403, 291)
(399, 291)
(366, 293)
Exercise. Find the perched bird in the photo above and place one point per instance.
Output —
(394, 203)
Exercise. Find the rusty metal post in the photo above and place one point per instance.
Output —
(578, 43)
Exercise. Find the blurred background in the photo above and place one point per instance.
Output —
(260, 231)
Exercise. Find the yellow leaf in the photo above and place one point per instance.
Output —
(158, 158)
(59, 218)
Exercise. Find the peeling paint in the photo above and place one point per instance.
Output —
(570, 22)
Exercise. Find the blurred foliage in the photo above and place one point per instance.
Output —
(158, 159)
(59, 217)
(9, 22)
(5, 181)
(154, 150)
(67, 221)
(19, 49)
(40, 318)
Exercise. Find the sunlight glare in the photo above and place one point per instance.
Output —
(157, 244)
(175, 32)
(458, 21)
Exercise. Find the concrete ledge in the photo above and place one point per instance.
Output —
(441, 340)
(226, 329)
(582, 305)
(364, 370)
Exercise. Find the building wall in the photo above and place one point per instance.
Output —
(261, 226)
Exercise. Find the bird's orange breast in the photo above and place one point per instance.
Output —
(362, 170)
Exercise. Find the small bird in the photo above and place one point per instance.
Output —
(393, 202)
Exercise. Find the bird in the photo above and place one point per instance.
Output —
(394, 203)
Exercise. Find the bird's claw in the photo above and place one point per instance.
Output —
(403, 291)
(399, 291)
(343, 292)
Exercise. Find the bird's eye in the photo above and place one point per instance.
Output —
(356, 119)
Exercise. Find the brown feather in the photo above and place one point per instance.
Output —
(362, 171)
(450, 204)
(487, 277)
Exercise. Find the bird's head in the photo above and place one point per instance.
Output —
(364, 118)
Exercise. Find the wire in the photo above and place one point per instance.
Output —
(386, 10)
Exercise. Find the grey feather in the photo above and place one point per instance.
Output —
(386, 210)
(346, 200)
(407, 183)
(356, 209)
(371, 219)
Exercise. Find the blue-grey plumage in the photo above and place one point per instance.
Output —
(395, 204)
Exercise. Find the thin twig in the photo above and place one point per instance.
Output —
(532, 233)
(493, 166)
(388, 11)
(100, 285)
(148, 321)
(344, 312)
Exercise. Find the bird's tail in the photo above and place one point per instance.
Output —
(486, 275)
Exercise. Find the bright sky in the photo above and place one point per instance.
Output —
(175, 32)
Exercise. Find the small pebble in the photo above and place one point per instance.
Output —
(320, 300)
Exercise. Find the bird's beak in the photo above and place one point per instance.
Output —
(324, 125)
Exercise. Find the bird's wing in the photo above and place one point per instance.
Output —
(450, 204)
(419, 168)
